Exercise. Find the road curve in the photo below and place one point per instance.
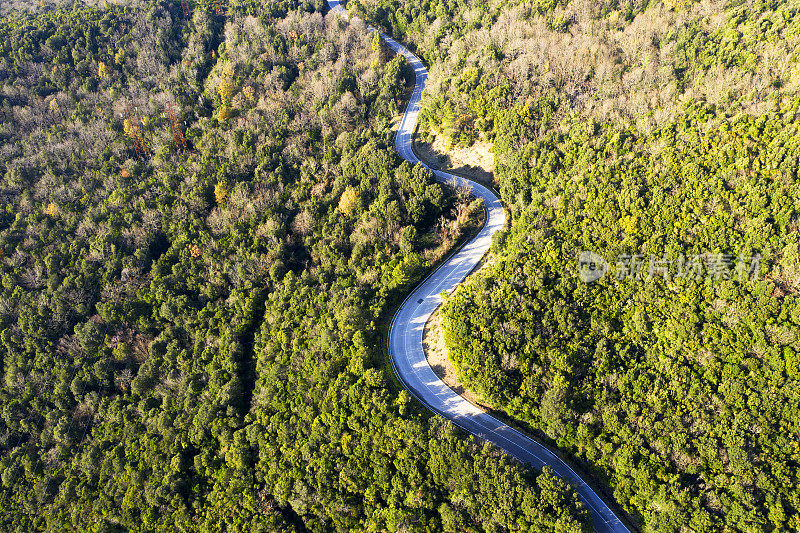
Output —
(405, 334)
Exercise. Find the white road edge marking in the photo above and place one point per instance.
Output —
(409, 361)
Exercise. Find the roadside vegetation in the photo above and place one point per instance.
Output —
(659, 129)
(203, 221)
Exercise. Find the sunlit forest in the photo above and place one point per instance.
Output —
(204, 224)
(205, 228)
(662, 130)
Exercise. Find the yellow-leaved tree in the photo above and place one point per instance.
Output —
(225, 92)
(348, 201)
(220, 193)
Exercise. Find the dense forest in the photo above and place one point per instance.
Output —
(663, 133)
(203, 226)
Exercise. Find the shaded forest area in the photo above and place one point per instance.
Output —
(645, 128)
(189, 327)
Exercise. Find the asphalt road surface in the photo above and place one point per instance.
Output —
(405, 336)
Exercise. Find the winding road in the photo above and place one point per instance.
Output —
(405, 335)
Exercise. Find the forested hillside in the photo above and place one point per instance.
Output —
(203, 224)
(662, 137)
